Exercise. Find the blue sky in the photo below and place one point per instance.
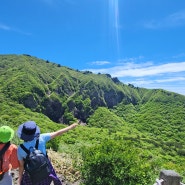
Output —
(141, 42)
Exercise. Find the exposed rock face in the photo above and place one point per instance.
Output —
(94, 95)
(53, 109)
(112, 97)
(30, 102)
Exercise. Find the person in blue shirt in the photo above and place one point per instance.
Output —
(29, 132)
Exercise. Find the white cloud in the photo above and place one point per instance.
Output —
(143, 81)
(139, 70)
(175, 84)
(169, 76)
(8, 28)
(4, 27)
(131, 59)
(176, 79)
(99, 63)
(172, 20)
(177, 18)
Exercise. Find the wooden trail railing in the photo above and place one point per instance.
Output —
(169, 177)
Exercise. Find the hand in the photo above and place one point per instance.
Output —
(73, 125)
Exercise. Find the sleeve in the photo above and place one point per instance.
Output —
(19, 156)
(46, 137)
(13, 158)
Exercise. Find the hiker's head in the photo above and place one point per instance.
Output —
(28, 131)
(6, 134)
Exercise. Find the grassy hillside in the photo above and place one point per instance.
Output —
(151, 122)
(53, 90)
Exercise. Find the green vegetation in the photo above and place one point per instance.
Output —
(126, 134)
(115, 162)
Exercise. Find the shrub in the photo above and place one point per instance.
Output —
(114, 162)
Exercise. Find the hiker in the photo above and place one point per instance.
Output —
(8, 160)
(29, 132)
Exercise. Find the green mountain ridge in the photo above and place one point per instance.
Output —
(153, 120)
(43, 87)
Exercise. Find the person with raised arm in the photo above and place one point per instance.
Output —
(29, 132)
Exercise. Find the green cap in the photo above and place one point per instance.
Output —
(6, 134)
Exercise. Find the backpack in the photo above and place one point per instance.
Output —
(36, 164)
(2, 151)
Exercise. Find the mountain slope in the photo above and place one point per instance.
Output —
(55, 91)
(50, 94)
(46, 87)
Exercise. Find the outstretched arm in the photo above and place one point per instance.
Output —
(61, 131)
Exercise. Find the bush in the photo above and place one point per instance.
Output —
(113, 163)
